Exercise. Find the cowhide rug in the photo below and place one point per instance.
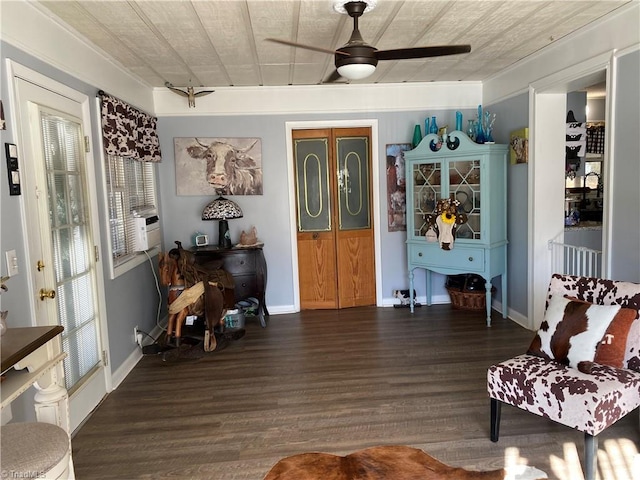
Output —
(386, 463)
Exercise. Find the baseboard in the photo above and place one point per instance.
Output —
(118, 376)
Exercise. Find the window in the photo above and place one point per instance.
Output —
(131, 147)
(130, 192)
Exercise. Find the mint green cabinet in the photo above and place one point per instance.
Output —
(475, 175)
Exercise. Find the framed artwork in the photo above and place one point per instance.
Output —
(519, 146)
(223, 166)
(396, 187)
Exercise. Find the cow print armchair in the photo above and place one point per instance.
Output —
(583, 366)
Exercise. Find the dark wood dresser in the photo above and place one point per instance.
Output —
(246, 265)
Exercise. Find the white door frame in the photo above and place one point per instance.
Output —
(17, 71)
(375, 174)
(547, 113)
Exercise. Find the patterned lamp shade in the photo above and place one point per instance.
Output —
(222, 209)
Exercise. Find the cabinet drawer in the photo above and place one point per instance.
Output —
(239, 263)
(246, 286)
(460, 258)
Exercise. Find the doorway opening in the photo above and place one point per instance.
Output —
(548, 112)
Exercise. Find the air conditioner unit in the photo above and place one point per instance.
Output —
(147, 232)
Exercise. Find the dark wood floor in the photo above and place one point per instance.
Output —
(332, 381)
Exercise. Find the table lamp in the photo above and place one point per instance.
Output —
(222, 209)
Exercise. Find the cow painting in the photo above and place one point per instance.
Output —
(226, 166)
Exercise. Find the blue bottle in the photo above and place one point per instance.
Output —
(459, 121)
(434, 126)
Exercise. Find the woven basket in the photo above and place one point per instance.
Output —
(468, 300)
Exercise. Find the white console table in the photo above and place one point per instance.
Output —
(31, 356)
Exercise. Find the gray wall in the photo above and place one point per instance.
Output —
(131, 299)
(625, 216)
(513, 114)
(269, 212)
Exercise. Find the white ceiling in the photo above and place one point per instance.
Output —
(222, 42)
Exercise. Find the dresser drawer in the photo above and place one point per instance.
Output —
(248, 269)
(246, 286)
(239, 263)
(460, 258)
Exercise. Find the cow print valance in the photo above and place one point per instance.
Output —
(129, 132)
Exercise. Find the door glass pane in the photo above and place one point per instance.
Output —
(353, 182)
(71, 245)
(464, 186)
(313, 195)
(427, 190)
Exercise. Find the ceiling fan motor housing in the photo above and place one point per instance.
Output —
(356, 54)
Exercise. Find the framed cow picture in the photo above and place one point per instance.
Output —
(223, 166)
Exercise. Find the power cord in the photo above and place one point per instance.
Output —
(159, 293)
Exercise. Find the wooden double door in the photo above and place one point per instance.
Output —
(336, 261)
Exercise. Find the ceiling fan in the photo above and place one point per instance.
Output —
(357, 59)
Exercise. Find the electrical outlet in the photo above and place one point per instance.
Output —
(135, 335)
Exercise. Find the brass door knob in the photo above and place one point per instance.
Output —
(44, 293)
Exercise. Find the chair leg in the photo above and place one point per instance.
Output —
(590, 456)
(496, 405)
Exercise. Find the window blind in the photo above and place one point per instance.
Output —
(131, 191)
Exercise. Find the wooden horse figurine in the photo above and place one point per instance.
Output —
(191, 292)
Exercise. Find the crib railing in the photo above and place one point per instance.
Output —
(573, 260)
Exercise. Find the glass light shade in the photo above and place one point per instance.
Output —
(356, 71)
(221, 209)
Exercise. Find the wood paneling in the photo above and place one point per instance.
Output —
(333, 382)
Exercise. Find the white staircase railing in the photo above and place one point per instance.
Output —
(573, 260)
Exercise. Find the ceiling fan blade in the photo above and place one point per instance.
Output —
(308, 47)
(422, 52)
(335, 76)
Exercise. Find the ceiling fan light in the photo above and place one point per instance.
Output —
(356, 71)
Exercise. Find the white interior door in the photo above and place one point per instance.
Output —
(60, 225)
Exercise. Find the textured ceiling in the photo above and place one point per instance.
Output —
(222, 42)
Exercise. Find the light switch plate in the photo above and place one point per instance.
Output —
(12, 262)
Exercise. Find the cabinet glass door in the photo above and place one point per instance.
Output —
(427, 190)
(464, 186)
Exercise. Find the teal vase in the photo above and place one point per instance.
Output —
(434, 126)
(459, 121)
(417, 136)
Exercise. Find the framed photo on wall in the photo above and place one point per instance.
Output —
(223, 166)
(519, 146)
(396, 187)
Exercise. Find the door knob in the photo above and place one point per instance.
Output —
(44, 293)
